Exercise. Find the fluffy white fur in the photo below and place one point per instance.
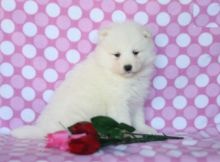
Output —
(100, 85)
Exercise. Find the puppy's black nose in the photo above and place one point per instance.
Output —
(127, 68)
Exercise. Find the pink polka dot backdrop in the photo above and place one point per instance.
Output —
(207, 13)
(41, 40)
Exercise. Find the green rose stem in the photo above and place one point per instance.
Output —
(113, 133)
(136, 138)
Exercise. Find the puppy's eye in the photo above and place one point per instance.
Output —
(135, 52)
(117, 54)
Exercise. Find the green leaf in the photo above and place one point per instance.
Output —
(116, 134)
(103, 124)
(126, 127)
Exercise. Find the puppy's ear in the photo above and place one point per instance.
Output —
(103, 33)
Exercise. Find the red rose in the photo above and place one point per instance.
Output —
(83, 127)
(84, 139)
(86, 144)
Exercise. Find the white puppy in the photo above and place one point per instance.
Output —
(112, 81)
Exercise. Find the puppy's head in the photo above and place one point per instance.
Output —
(124, 48)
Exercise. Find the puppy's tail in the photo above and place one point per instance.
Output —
(30, 132)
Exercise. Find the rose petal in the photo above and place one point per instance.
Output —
(83, 127)
(85, 145)
(58, 140)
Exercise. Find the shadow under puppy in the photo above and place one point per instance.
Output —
(113, 81)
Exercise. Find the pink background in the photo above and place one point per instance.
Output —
(41, 40)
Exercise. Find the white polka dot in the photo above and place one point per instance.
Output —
(119, 153)
(6, 91)
(52, 32)
(174, 153)
(28, 72)
(163, 19)
(169, 146)
(96, 15)
(189, 142)
(30, 7)
(202, 80)
(8, 5)
(74, 34)
(182, 61)
(6, 69)
(158, 103)
(181, 82)
(28, 93)
(204, 60)
(218, 128)
(179, 102)
(4, 130)
(148, 147)
(28, 115)
(159, 82)
(53, 10)
(74, 13)
(121, 147)
(216, 145)
(217, 118)
(201, 101)
(119, 1)
(73, 56)
(93, 36)
(205, 39)
(183, 40)
(201, 122)
(51, 53)
(47, 95)
(195, 10)
(29, 29)
(185, 1)
(141, 18)
(163, 2)
(118, 16)
(199, 154)
(204, 133)
(7, 26)
(161, 61)
(211, 25)
(158, 123)
(47, 161)
(184, 18)
(213, 9)
(161, 40)
(179, 123)
(147, 153)
(7, 47)
(29, 51)
(6, 113)
(141, 1)
(50, 75)
(218, 79)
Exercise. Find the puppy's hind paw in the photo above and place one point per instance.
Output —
(147, 130)
(30, 132)
(151, 131)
